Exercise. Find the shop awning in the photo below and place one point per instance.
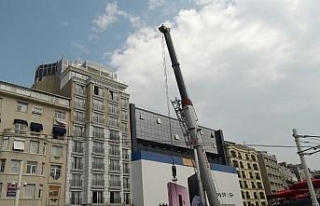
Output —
(36, 127)
(59, 131)
(20, 121)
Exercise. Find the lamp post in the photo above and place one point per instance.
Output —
(314, 200)
(16, 203)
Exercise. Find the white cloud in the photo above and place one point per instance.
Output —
(153, 4)
(110, 16)
(251, 67)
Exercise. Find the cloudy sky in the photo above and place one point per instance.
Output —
(251, 67)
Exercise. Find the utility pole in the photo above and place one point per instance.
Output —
(297, 137)
(16, 203)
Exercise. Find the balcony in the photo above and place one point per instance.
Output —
(97, 166)
(115, 184)
(98, 150)
(76, 183)
(77, 149)
(77, 166)
(114, 168)
(98, 183)
(76, 201)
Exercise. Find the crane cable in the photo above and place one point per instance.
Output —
(173, 168)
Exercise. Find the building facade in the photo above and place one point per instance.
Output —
(271, 172)
(33, 141)
(98, 166)
(289, 177)
(157, 143)
(245, 160)
(158, 133)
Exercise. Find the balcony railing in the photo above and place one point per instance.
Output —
(96, 182)
(99, 150)
(77, 165)
(76, 183)
(98, 165)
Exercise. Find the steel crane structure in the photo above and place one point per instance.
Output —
(186, 114)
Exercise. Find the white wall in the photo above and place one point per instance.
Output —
(150, 180)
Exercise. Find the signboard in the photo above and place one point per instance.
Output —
(11, 190)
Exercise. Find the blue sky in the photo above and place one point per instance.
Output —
(251, 67)
(43, 31)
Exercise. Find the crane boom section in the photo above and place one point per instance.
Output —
(189, 116)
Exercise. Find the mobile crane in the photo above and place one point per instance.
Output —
(186, 114)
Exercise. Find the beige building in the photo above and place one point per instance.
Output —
(271, 172)
(33, 142)
(245, 159)
(98, 166)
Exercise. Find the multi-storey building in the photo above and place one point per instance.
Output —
(271, 173)
(98, 166)
(297, 169)
(33, 128)
(158, 143)
(245, 159)
(289, 177)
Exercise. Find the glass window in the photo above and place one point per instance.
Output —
(97, 91)
(114, 180)
(19, 128)
(114, 165)
(15, 166)
(113, 121)
(80, 103)
(113, 95)
(60, 114)
(79, 89)
(98, 132)
(34, 147)
(76, 180)
(79, 116)
(18, 145)
(77, 163)
(4, 143)
(98, 147)
(78, 131)
(97, 117)
(97, 104)
(113, 109)
(76, 198)
(31, 167)
(55, 171)
(77, 147)
(114, 150)
(56, 151)
(115, 197)
(22, 107)
(114, 135)
(97, 196)
(97, 163)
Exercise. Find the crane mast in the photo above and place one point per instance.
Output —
(188, 116)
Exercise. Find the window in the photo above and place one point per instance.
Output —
(98, 132)
(76, 198)
(124, 115)
(76, 180)
(79, 116)
(60, 114)
(34, 147)
(31, 167)
(77, 163)
(114, 135)
(115, 197)
(97, 91)
(29, 191)
(97, 117)
(97, 163)
(113, 95)
(18, 145)
(79, 89)
(78, 131)
(113, 109)
(124, 127)
(114, 165)
(126, 169)
(2, 165)
(1, 188)
(97, 104)
(79, 103)
(22, 107)
(114, 150)
(126, 183)
(55, 171)
(98, 147)
(114, 181)
(40, 193)
(125, 154)
(113, 121)
(20, 128)
(15, 166)
(97, 196)
(77, 147)
(126, 198)
(97, 180)
(56, 151)
(4, 143)
(124, 102)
